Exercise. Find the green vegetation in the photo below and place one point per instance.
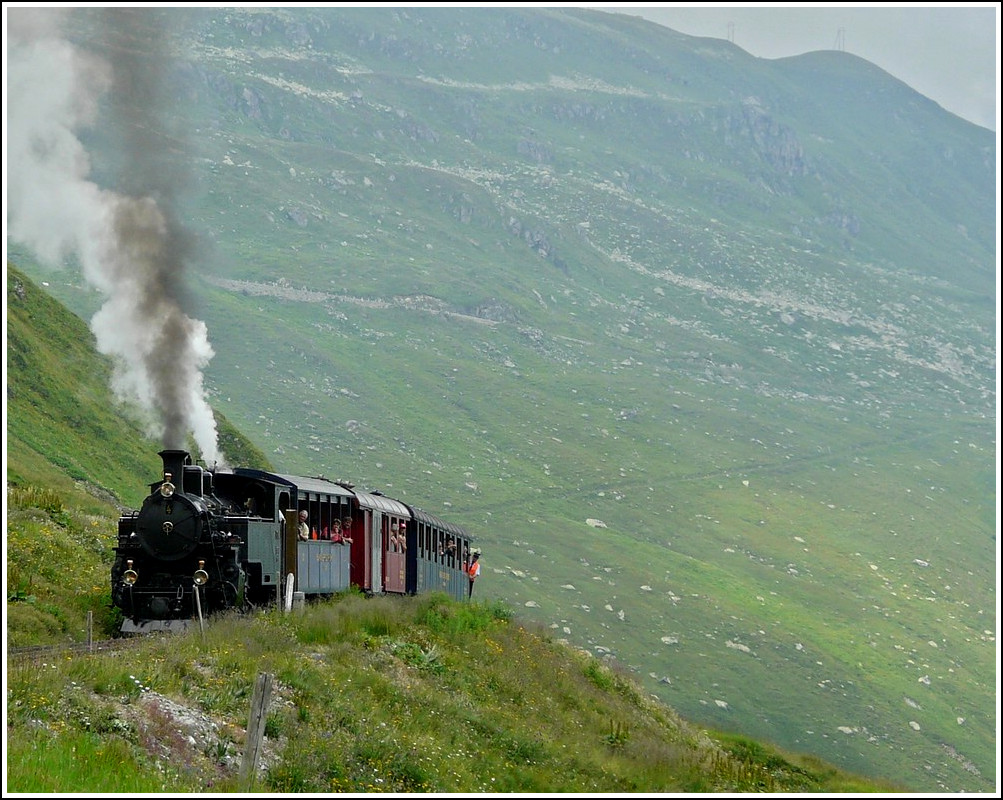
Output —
(58, 563)
(700, 347)
(377, 694)
(72, 453)
(370, 695)
(59, 407)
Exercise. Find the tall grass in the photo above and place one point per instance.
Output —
(370, 695)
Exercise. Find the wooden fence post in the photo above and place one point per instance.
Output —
(255, 730)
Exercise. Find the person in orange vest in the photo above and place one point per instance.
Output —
(473, 571)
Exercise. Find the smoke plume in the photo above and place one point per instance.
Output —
(128, 240)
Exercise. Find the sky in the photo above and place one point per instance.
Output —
(948, 52)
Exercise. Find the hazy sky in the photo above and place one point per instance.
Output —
(947, 52)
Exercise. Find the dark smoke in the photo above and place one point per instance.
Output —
(129, 240)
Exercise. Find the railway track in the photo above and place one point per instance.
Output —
(68, 649)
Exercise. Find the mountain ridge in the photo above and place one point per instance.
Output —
(753, 338)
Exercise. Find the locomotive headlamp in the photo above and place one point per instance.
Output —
(167, 488)
(130, 576)
(201, 577)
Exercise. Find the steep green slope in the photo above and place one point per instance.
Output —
(740, 312)
(436, 679)
(63, 427)
(74, 458)
(372, 695)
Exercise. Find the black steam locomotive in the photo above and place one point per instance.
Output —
(207, 541)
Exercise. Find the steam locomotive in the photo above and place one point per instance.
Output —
(206, 541)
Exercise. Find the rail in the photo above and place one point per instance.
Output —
(44, 652)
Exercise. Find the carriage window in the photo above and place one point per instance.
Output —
(449, 549)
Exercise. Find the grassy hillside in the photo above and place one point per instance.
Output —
(372, 695)
(456, 697)
(61, 421)
(701, 347)
(75, 458)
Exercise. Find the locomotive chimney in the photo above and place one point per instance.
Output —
(174, 463)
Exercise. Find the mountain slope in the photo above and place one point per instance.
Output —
(456, 673)
(740, 312)
(62, 424)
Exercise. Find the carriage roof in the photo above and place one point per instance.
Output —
(382, 503)
(429, 519)
(303, 484)
(372, 500)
